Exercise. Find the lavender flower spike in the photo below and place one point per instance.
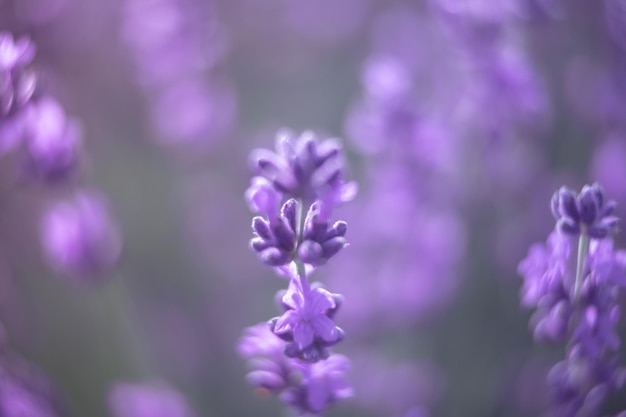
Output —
(580, 306)
(290, 357)
(588, 212)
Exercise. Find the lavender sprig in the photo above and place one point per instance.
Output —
(308, 173)
(576, 300)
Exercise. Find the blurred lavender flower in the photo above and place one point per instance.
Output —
(310, 175)
(276, 238)
(52, 147)
(308, 388)
(577, 300)
(307, 323)
(154, 399)
(588, 212)
(80, 239)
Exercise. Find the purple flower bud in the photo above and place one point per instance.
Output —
(320, 241)
(270, 381)
(262, 197)
(310, 252)
(80, 239)
(324, 384)
(564, 204)
(275, 241)
(589, 212)
(274, 257)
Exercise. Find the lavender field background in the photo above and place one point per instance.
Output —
(458, 120)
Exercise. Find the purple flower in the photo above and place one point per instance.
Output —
(269, 368)
(263, 198)
(310, 175)
(153, 399)
(320, 241)
(578, 300)
(588, 212)
(304, 168)
(306, 387)
(52, 147)
(323, 383)
(275, 239)
(79, 237)
(307, 323)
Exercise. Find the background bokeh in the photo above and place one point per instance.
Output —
(459, 120)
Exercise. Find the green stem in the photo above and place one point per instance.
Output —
(583, 249)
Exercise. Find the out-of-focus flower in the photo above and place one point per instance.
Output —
(588, 212)
(323, 383)
(307, 388)
(577, 300)
(80, 239)
(276, 239)
(153, 399)
(52, 146)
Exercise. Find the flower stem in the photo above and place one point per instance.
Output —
(583, 249)
(300, 268)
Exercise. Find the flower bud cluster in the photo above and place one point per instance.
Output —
(576, 301)
(308, 388)
(291, 356)
(588, 212)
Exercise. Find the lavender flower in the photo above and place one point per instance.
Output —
(577, 300)
(320, 240)
(307, 323)
(310, 175)
(588, 212)
(52, 150)
(79, 237)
